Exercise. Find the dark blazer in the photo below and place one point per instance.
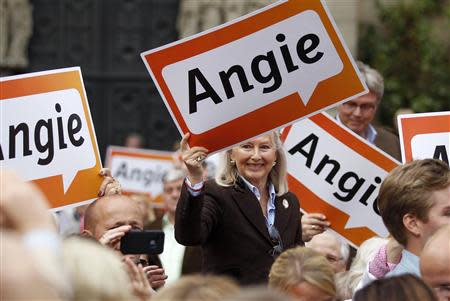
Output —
(229, 225)
(192, 258)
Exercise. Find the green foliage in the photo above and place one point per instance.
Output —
(411, 48)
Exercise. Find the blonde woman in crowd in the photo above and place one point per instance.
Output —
(259, 293)
(304, 274)
(246, 216)
(96, 273)
(198, 288)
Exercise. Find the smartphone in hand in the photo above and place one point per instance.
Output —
(142, 242)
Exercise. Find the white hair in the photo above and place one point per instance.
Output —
(344, 247)
(345, 250)
(373, 79)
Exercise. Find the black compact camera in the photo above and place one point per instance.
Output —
(142, 242)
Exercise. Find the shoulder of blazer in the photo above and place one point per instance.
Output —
(217, 194)
(219, 191)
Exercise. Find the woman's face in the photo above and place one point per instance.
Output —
(255, 158)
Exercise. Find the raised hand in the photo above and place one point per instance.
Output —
(109, 186)
(111, 238)
(394, 251)
(155, 275)
(193, 159)
(139, 284)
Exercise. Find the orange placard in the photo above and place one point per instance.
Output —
(335, 172)
(140, 170)
(254, 74)
(47, 134)
(424, 135)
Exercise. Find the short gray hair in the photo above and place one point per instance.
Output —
(227, 173)
(345, 247)
(373, 79)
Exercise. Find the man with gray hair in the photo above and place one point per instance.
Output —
(358, 113)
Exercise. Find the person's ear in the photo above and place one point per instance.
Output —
(412, 224)
(232, 156)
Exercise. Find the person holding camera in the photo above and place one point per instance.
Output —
(245, 217)
(107, 220)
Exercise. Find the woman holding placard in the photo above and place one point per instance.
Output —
(245, 217)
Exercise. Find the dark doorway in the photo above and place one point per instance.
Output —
(105, 38)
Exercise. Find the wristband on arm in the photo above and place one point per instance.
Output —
(196, 189)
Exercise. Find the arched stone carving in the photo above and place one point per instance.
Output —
(198, 15)
(16, 25)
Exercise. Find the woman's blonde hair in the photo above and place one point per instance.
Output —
(227, 173)
(198, 288)
(95, 272)
(259, 293)
(302, 264)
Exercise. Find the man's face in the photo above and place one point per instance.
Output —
(439, 214)
(329, 247)
(436, 272)
(435, 263)
(116, 212)
(134, 142)
(171, 194)
(358, 113)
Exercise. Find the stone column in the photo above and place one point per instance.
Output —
(16, 26)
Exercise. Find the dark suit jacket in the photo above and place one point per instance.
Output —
(229, 224)
(192, 259)
(388, 142)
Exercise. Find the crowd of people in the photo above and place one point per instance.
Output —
(239, 235)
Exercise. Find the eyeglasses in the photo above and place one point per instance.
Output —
(276, 239)
(365, 107)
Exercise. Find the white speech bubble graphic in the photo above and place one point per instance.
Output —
(361, 215)
(424, 145)
(140, 174)
(29, 110)
(241, 52)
